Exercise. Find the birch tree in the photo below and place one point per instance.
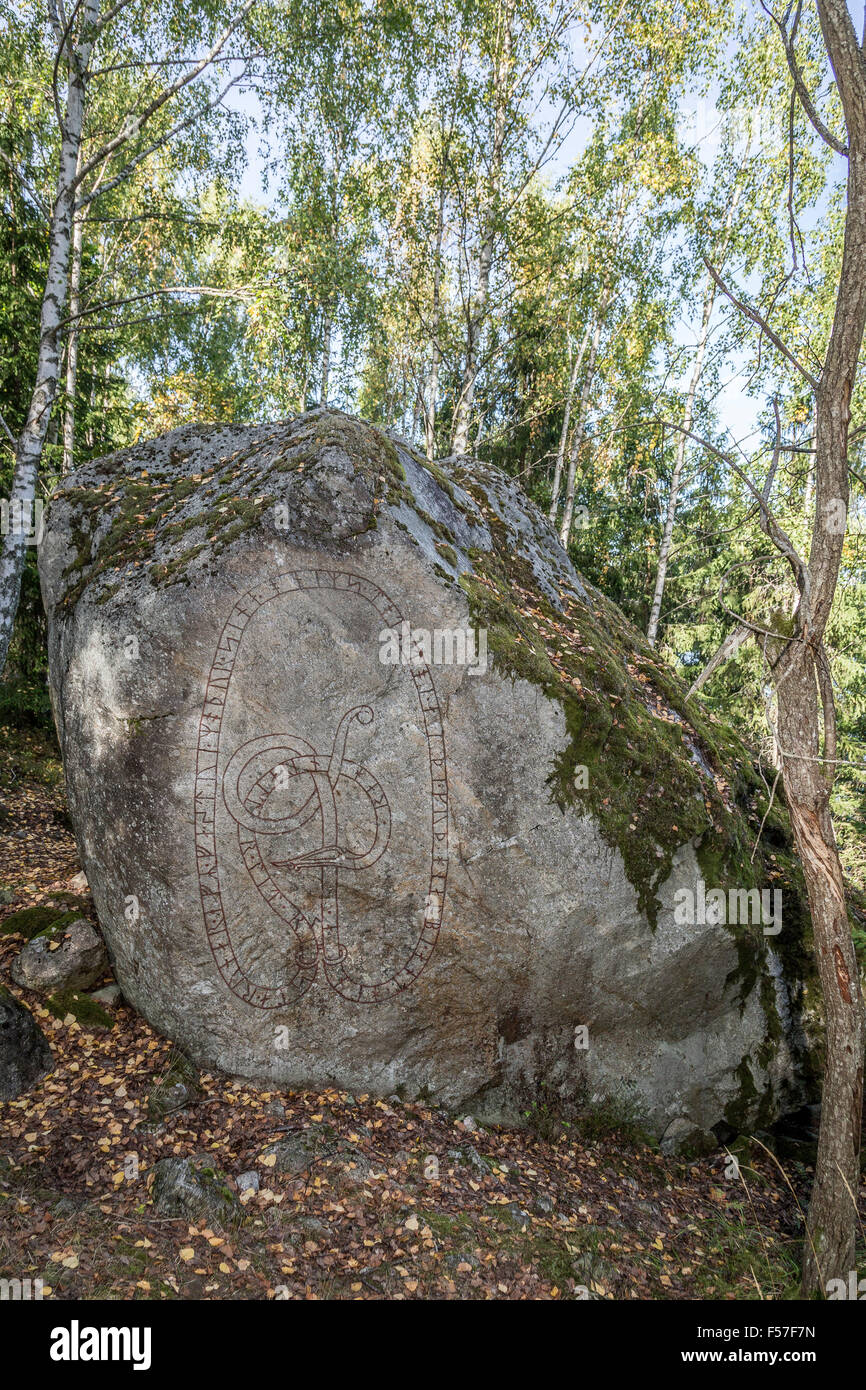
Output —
(91, 28)
(525, 62)
(709, 299)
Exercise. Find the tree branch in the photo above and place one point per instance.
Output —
(799, 83)
(157, 144)
(761, 322)
(731, 644)
(134, 124)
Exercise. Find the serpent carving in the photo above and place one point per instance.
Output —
(256, 770)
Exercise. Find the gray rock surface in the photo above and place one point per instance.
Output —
(109, 995)
(192, 1188)
(314, 866)
(73, 957)
(684, 1139)
(24, 1052)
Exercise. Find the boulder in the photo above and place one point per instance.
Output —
(371, 788)
(194, 1189)
(72, 957)
(298, 1152)
(684, 1139)
(24, 1052)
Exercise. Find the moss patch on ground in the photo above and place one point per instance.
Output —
(83, 1009)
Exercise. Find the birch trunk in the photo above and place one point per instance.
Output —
(566, 421)
(480, 301)
(72, 343)
(688, 412)
(326, 361)
(32, 439)
(436, 327)
(579, 434)
(676, 476)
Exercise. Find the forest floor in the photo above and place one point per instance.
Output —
(400, 1200)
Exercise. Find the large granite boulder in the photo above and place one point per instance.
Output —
(333, 839)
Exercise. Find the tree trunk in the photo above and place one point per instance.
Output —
(829, 1248)
(829, 1251)
(32, 438)
(566, 421)
(326, 360)
(72, 344)
(676, 476)
(435, 327)
(578, 436)
(478, 308)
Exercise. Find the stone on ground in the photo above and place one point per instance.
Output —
(72, 957)
(24, 1053)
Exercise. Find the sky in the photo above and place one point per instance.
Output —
(737, 411)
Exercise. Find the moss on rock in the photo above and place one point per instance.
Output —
(37, 921)
(83, 1009)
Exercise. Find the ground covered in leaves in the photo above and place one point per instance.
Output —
(382, 1198)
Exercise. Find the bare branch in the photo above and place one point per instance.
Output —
(239, 292)
(731, 644)
(761, 322)
(769, 524)
(42, 206)
(157, 144)
(10, 436)
(110, 15)
(788, 42)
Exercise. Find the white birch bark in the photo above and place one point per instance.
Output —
(579, 434)
(679, 463)
(72, 344)
(477, 317)
(73, 55)
(688, 412)
(32, 439)
(566, 422)
(326, 360)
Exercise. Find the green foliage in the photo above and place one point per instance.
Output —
(83, 1009)
(596, 155)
